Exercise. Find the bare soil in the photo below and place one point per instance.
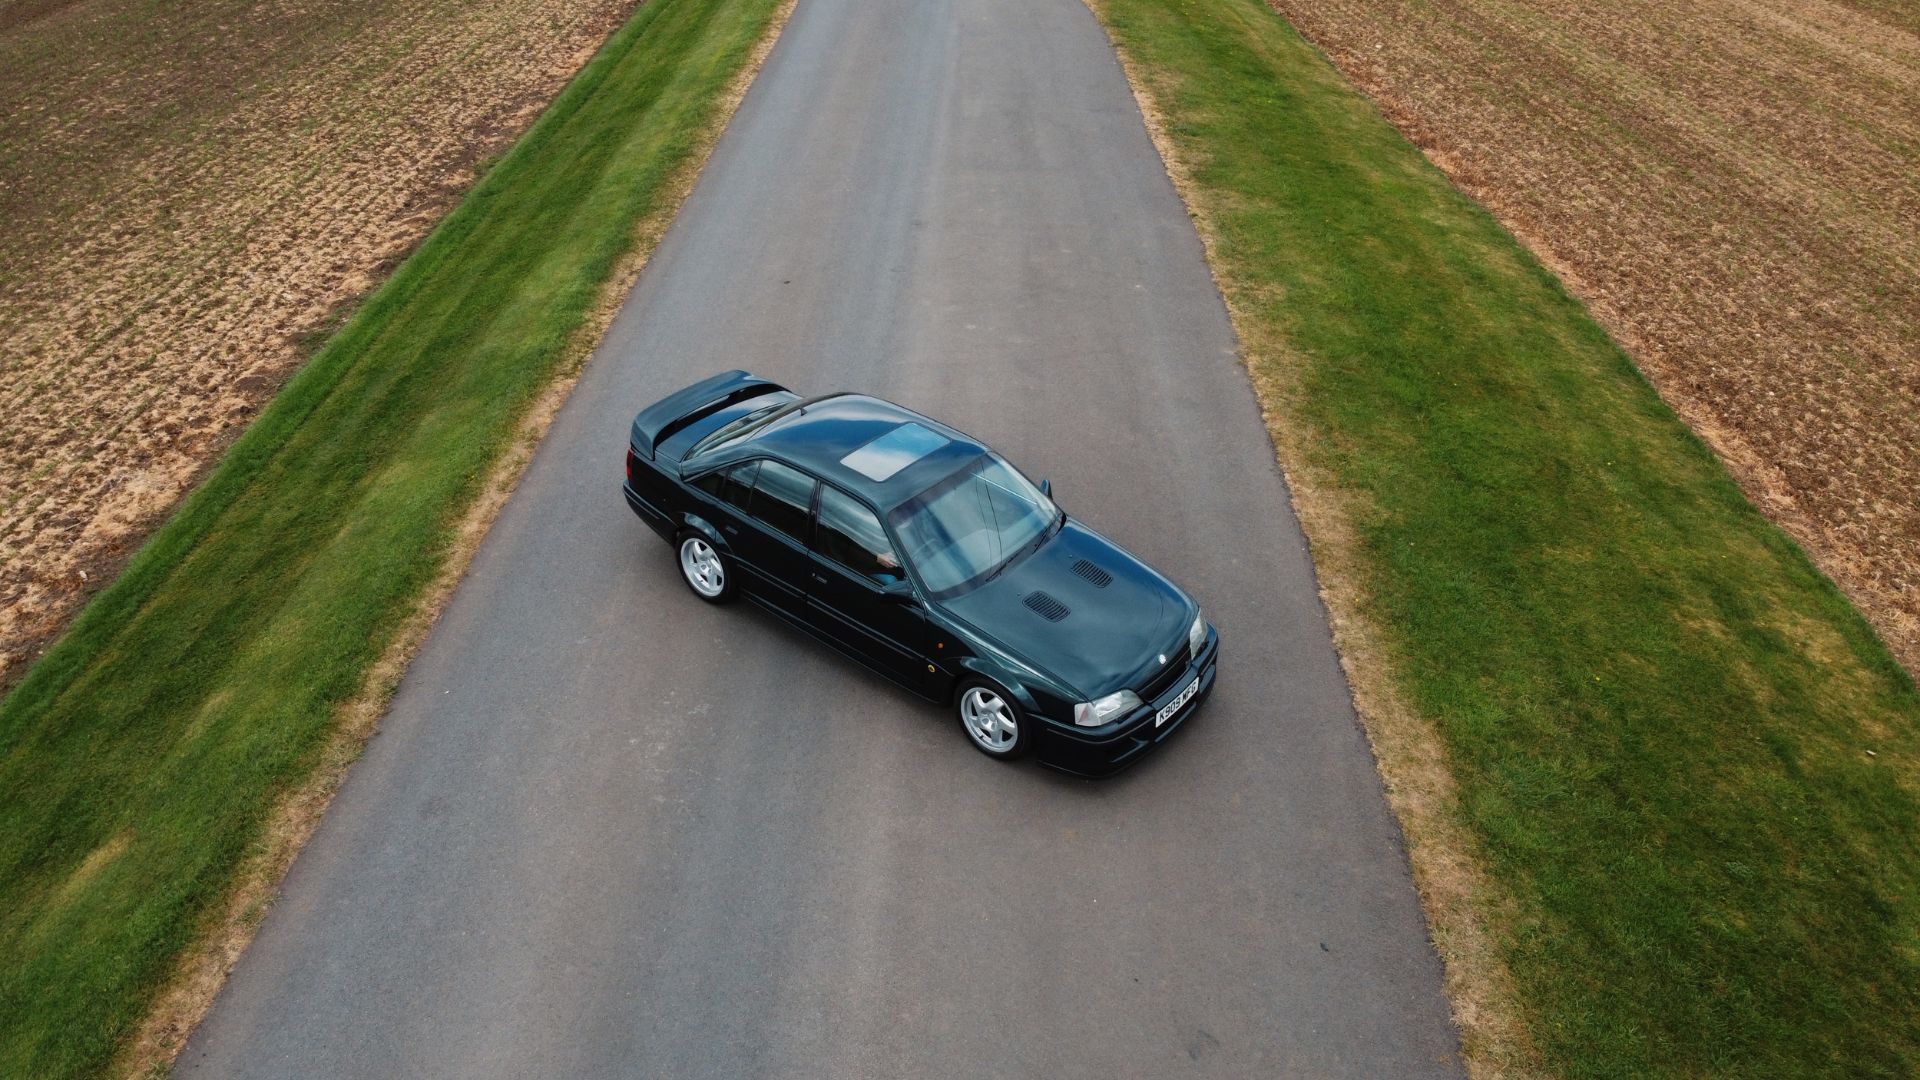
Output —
(1733, 186)
(190, 197)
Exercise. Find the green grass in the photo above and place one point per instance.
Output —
(1656, 710)
(139, 759)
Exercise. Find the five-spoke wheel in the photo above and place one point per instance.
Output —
(992, 720)
(705, 569)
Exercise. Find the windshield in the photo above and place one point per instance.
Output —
(965, 529)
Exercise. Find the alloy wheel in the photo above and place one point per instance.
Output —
(989, 720)
(702, 566)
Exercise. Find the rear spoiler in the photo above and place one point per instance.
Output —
(682, 407)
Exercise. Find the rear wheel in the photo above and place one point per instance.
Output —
(705, 570)
(993, 720)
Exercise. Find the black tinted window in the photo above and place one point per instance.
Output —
(739, 485)
(729, 485)
(781, 498)
(850, 534)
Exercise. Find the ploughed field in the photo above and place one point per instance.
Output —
(190, 195)
(1733, 186)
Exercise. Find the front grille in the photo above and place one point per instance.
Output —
(1162, 680)
(1048, 608)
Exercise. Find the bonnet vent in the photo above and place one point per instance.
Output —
(1048, 608)
(1100, 578)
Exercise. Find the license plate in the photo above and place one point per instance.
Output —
(1174, 705)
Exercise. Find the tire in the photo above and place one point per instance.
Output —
(985, 711)
(705, 570)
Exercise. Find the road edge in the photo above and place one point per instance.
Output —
(188, 994)
(1457, 897)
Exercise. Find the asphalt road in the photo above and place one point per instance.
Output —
(607, 830)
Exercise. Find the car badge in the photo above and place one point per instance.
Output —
(1163, 659)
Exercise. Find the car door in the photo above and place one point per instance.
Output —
(848, 601)
(728, 490)
(769, 537)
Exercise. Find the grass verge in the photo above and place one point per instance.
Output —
(1661, 779)
(143, 759)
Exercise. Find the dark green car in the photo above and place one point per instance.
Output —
(926, 556)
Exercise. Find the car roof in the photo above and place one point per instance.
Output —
(819, 436)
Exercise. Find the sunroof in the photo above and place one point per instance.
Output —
(894, 451)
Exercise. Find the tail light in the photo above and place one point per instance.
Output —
(631, 458)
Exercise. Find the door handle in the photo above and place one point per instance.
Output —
(819, 579)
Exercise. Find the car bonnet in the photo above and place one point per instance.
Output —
(1082, 609)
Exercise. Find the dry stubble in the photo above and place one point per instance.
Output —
(188, 195)
(1733, 187)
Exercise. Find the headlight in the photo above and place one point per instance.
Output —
(1197, 633)
(1095, 713)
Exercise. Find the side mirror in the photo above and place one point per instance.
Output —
(898, 591)
(1046, 488)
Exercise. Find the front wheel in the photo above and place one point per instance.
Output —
(705, 570)
(993, 721)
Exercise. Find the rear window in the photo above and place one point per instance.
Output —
(746, 426)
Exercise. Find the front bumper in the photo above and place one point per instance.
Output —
(1103, 752)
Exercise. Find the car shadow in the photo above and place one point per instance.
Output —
(909, 702)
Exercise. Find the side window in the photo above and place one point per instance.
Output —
(850, 535)
(782, 498)
(739, 484)
(731, 485)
